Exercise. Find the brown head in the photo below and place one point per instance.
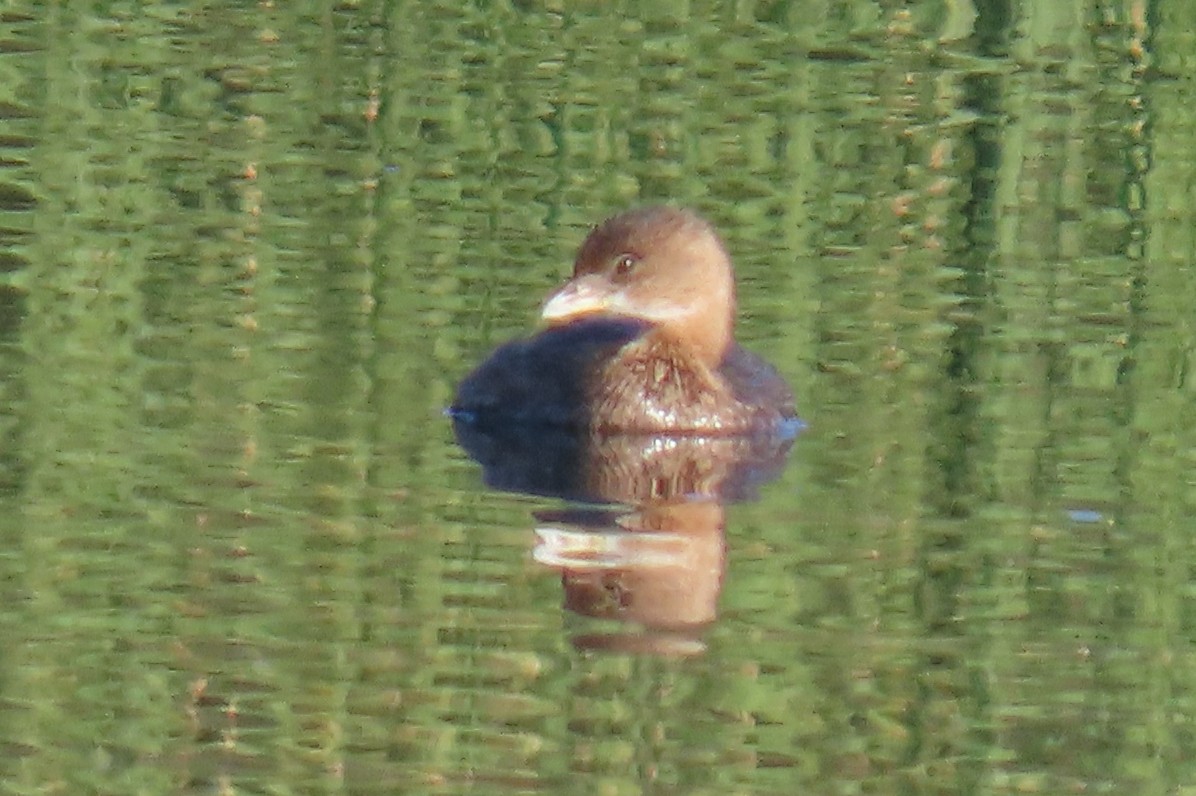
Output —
(663, 265)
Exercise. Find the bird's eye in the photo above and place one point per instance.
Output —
(624, 263)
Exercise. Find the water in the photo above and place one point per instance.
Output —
(247, 252)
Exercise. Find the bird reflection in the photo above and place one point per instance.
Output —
(655, 559)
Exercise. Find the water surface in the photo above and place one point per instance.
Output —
(246, 252)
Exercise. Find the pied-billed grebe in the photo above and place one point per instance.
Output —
(639, 340)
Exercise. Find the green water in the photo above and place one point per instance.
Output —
(246, 251)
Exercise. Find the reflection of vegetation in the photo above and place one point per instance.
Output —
(247, 252)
